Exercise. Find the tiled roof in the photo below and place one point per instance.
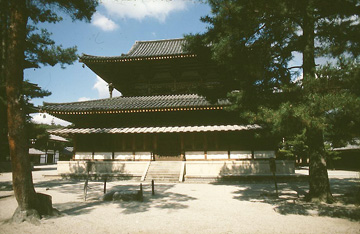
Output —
(57, 138)
(34, 151)
(354, 146)
(157, 48)
(148, 50)
(171, 129)
(192, 101)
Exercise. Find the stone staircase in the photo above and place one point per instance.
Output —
(164, 171)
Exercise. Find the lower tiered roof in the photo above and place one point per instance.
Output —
(135, 104)
(169, 129)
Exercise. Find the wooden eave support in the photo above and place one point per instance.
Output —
(133, 111)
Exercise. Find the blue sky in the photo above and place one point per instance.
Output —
(114, 28)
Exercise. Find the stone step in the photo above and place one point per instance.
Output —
(166, 164)
(169, 168)
(163, 179)
(164, 171)
(164, 174)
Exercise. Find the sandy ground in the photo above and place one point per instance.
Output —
(188, 208)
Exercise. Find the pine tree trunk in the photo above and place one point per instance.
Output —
(30, 204)
(318, 176)
(4, 144)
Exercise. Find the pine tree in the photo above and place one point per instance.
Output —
(253, 43)
(23, 46)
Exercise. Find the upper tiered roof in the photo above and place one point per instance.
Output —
(146, 50)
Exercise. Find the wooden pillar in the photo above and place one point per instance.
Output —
(133, 146)
(216, 141)
(123, 142)
(182, 153)
(144, 141)
(205, 145)
(192, 141)
(46, 152)
(75, 146)
(95, 144)
(205, 141)
(155, 145)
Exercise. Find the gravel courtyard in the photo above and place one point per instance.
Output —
(188, 208)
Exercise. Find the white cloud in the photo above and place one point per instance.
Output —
(103, 22)
(103, 90)
(82, 99)
(140, 9)
(43, 118)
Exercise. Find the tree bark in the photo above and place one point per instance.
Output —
(30, 204)
(318, 176)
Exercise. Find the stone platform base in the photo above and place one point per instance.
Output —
(191, 170)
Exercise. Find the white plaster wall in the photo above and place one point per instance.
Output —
(67, 167)
(193, 168)
(116, 167)
(56, 156)
(248, 167)
(194, 155)
(103, 155)
(264, 154)
(123, 156)
(240, 155)
(83, 155)
(143, 156)
(210, 155)
(43, 159)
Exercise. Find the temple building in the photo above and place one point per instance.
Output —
(160, 118)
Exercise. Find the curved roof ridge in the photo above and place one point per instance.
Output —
(123, 97)
(147, 49)
(172, 39)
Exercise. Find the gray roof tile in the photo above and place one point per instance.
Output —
(157, 48)
(170, 129)
(144, 49)
(135, 103)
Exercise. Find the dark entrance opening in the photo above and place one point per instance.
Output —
(169, 147)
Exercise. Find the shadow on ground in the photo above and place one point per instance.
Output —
(163, 199)
(291, 199)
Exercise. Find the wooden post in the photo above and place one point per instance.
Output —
(182, 147)
(105, 184)
(123, 142)
(141, 193)
(205, 145)
(144, 141)
(152, 188)
(46, 152)
(75, 146)
(192, 141)
(133, 146)
(154, 146)
(88, 168)
(86, 187)
(205, 142)
(217, 141)
(272, 164)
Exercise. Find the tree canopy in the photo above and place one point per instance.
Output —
(254, 43)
